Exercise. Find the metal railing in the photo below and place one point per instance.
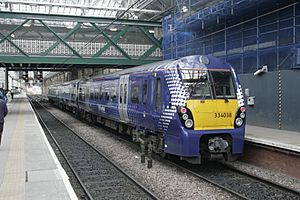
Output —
(37, 47)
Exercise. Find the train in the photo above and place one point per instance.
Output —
(191, 107)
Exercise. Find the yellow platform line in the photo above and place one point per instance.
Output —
(13, 185)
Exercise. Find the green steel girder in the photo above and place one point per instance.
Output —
(111, 41)
(114, 39)
(66, 36)
(25, 54)
(150, 36)
(6, 37)
(14, 30)
(62, 40)
(66, 60)
(57, 17)
(150, 50)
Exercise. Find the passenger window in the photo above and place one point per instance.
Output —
(158, 95)
(107, 96)
(121, 93)
(80, 94)
(135, 92)
(145, 92)
(113, 94)
(125, 93)
(100, 92)
(91, 94)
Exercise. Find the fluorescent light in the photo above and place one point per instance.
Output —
(113, 29)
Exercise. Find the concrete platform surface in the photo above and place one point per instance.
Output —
(29, 169)
(274, 137)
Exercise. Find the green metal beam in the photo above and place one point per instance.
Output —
(111, 41)
(72, 18)
(65, 43)
(81, 61)
(150, 36)
(66, 36)
(114, 39)
(150, 51)
(6, 37)
(14, 30)
(23, 52)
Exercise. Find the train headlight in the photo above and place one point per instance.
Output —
(183, 110)
(243, 115)
(189, 123)
(239, 121)
(243, 109)
(185, 116)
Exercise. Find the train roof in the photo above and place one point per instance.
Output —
(64, 83)
(195, 61)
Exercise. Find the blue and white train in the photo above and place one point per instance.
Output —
(192, 107)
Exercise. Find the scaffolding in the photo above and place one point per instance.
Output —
(247, 34)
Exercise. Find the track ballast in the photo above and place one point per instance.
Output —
(100, 177)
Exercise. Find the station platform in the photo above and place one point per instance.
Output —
(288, 140)
(29, 168)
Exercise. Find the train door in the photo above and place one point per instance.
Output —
(123, 97)
(156, 100)
(146, 102)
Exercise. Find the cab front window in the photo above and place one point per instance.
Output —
(197, 84)
(208, 84)
(223, 84)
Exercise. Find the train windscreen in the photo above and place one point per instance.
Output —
(223, 85)
(197, 84)
(203, 84)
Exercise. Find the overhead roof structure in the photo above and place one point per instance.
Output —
(62, 34)
(135, 9)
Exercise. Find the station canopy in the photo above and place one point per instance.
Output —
(149, 10)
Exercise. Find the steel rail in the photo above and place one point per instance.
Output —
(132, 179)
(116, 135)
(61, 151)
(184, 169)
(263, 180)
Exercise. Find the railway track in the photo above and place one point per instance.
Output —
(98, 176)
(243, 185)
(238, 183)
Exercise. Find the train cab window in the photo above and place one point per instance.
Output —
(158, 95)
(145, 92)
(125, 93)
(135, 93)
(197, 84)
(223, 84)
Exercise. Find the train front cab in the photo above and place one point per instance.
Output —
(213, 122)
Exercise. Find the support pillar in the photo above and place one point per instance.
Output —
(6, 79)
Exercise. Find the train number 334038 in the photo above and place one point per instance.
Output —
(222, 115)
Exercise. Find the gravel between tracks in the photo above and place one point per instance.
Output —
(277, 177)
(167, 182)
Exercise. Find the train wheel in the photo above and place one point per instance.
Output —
(143, 158)
(149, 163)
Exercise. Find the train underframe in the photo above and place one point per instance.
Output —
(211, 146)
